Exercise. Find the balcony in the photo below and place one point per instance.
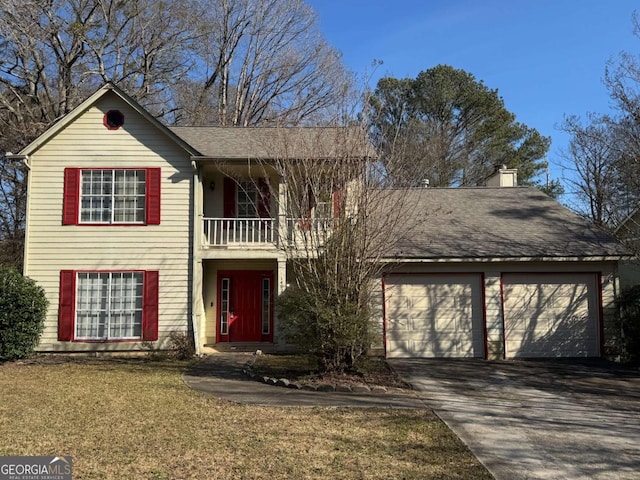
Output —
(239, 232)
(263, 232)
(308, 232)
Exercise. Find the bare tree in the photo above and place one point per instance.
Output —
(265, 62)
(622, 79)
(54, 53)
(594, 156)
(342, 221)
(13, 198)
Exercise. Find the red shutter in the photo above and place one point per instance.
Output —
(265, 198)
(71, 196)
(229, 192)
(66, 306)
(153, 196)
(150, 308)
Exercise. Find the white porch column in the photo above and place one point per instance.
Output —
(281, 286)
(283, 234)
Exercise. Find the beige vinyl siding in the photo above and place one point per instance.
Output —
(52, 247)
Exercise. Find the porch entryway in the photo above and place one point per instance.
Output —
(244, 306)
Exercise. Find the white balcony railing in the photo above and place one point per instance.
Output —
(309, 232)
(239, 231)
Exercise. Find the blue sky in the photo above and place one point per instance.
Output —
(546, 58)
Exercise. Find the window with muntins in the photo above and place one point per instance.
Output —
(247, 200)
(113, 196)
(109, 306)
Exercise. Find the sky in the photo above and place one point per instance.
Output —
(546, 57)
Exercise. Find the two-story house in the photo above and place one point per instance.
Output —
(135, 229)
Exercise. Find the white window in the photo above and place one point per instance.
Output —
(224, 306)
(109, 306)
(247, 200)
(113, 196)
(266, 305)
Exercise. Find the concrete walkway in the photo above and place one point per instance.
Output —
(220, 374)
(537, 420)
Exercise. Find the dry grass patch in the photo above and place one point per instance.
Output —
(136, 419)
(304, 369)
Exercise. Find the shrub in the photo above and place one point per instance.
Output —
(181, 345)
(335, 330)
(23, 307)
(628, 303)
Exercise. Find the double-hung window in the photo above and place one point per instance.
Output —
(100, 196)
(113, 196)
(247, 200)
(108, 305)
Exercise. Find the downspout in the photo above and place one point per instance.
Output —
(195, 257)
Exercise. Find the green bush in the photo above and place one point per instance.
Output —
(628, 303)
(23, 306)
(335, 330)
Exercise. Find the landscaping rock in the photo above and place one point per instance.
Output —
(378, 389)
(294, 385)
(343, 388)
(360, 389)
(397, 390)
(282, 382)
(311, 388)
(271, 381)
(326, 387)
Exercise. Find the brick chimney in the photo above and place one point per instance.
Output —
(502, 177)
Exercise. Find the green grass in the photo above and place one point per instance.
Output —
(136, 419)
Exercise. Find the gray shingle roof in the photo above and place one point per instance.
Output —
(242, 143)
(486, 222)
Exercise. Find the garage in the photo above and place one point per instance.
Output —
(434, 315)
(551, 315)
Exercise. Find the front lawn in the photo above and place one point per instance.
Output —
(133, 418)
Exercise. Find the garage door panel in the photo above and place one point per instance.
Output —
(551, 315)
(434, 316)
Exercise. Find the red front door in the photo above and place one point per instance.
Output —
(245, 306)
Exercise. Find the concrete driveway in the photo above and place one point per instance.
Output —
(536, 419)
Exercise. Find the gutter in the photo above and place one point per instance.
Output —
(595, 258)
(17, 156)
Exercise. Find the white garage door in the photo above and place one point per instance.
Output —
(551, 315)
(434, 316)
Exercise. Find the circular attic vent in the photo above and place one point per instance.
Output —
(113, 119)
